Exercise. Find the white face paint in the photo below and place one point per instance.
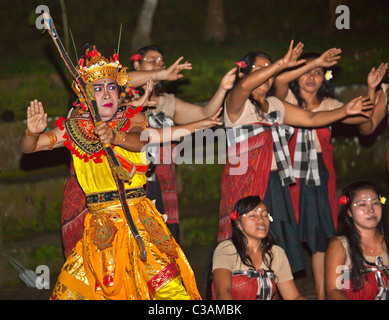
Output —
(366, 204)
(259, 66)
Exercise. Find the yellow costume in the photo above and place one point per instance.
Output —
(105, 264)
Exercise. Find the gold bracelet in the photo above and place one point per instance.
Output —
(30, 134)
(52, 137)
(120, 137)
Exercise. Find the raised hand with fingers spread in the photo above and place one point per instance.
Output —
(376, 75)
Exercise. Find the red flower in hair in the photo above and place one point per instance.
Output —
(241, 64)
(344, 200)
(234, 215)
(136, 57)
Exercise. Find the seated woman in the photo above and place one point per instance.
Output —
(357, 260)
(249, 266)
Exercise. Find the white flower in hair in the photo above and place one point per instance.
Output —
(328, 76)
(270, 218)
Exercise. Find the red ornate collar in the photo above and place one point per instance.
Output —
(79, 133)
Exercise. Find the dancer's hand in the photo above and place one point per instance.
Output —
(375, 76)
(358, 106)
(36, 117)
(173, 72)
(105, 133)
(329, 58)
(211, 121)
(290, 59)
(144, 100)
(228, 80)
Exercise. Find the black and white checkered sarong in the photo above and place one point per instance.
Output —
(264, 281)
(305, 157)
(280, 133)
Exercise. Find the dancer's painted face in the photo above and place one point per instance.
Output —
(107, 97)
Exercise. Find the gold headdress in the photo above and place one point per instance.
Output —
(95, 66)
(98, 66)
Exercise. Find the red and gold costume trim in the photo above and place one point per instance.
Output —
(161, 278)
(161, 239)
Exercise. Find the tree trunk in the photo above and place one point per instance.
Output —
(215, 28)
(142, 34)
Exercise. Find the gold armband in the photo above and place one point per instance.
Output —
(143, 125)
(52, 137)
(28, 133)
(120, 136)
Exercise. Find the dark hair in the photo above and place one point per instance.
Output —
(239, 240)
(352, 234)
(159, 88)
(325, 91)
(249, 59)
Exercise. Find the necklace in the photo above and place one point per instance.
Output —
(370, 250)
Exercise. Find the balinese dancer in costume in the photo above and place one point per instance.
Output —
(313, 195)
(258, 157)
(161, 184)
(249, 266)
(108, 262)
(357, 260)
(381, 108)
(149, 61)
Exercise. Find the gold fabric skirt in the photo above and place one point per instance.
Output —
(105, 263)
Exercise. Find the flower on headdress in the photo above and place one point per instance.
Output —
(382, 200)
(234, 215)
(91, 53)
(116, 59)
(270, 218)
(136, 57)
(328, 76)
(344, 200)
(241, 64)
